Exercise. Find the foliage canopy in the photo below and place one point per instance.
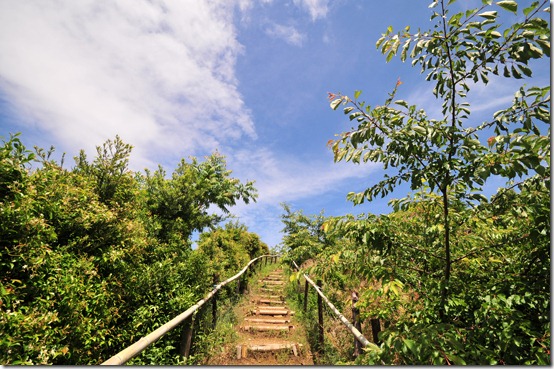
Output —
(458, 277)
(93, 258)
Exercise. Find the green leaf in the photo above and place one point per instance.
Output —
(506, 72)
(508, 5)
(402, 103)
(516, 73)
(410, 344)
(404, 52)
(535, 51)
(456, 359)
(488, 15)
(528, 10)
(348, 109)
(526, 70)
(455, 19)
(484, 77)
(357, 94)
(355, 115)
(335, 103)
(545, 45)
(420, 130)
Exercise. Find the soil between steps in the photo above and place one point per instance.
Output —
(254, 337)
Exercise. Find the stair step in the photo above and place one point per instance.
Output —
(272, 307)
(242, 350)
(267, 328)
(266, 311)
(273, 278)
(271, 289)
(273, 297)
(267, 320)
(272, 282)
(269, 301)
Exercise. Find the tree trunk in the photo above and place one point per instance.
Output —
(448, 262)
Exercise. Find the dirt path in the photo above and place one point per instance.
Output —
(267, 332)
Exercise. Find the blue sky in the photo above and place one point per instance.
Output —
(247, 78)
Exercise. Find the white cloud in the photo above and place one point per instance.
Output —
(281, 177)
(316, 8)
(484, 99)
(287, 33)
(161, 74)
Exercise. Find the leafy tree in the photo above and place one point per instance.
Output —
(229, 248)
(180, 205)
(55, 307)
(14, 159)
(446, 153)
(109, 171)
(83, 269)
(304, 235)
(469, 275)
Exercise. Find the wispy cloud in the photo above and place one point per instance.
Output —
(316, 8)
(287, 33)
(281, 177)
(160, 74)
(484, 99)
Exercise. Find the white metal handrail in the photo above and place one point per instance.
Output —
(359, 336)
(130, 352)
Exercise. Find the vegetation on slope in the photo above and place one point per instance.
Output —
(95, 257)
(456, 277)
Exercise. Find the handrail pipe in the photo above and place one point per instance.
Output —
(130, 352)
(359, 336)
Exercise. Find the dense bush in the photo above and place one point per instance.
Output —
(95, 257)
(457, 277)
